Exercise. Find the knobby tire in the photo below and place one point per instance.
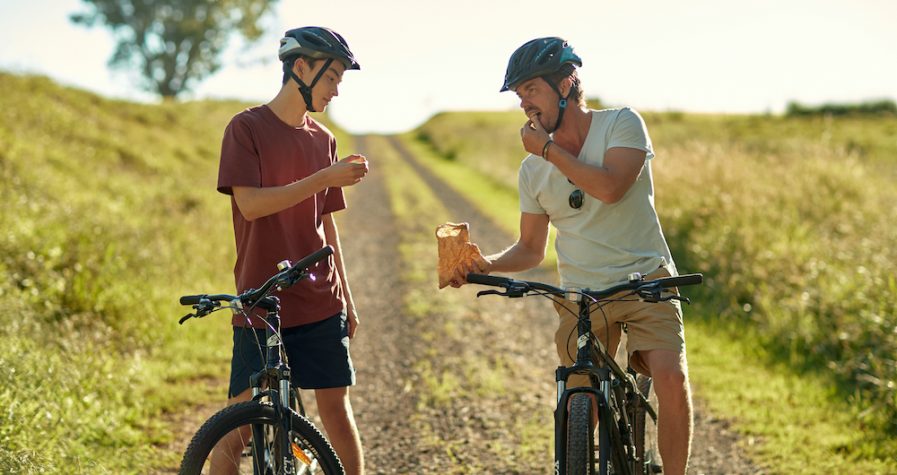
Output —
(260, 417)
(580, 436)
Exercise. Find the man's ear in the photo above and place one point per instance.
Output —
(566, 86)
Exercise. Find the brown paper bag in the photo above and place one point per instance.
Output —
(454, 248)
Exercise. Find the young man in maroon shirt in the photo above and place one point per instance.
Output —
(281, 169)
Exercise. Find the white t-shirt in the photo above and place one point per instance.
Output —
(600, 244)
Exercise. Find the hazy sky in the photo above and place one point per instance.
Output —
(420, 57)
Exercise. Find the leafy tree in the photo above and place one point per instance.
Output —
(174, 43)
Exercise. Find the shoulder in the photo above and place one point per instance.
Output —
(531, 168)
(530, 163)
(249, 118)
(250, 114)
(618, 114)
(320, 129)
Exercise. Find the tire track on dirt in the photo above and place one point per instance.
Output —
(385, 345)
(715, 447)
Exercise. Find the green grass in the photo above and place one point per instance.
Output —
(110, 214)
(791, 221)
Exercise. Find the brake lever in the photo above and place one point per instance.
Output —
(491, 292)
(655, 297)
(203, 308)
(677, 297)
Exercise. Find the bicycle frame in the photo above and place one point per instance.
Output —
(605, 376)
(275, 370)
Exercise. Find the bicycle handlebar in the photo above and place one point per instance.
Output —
(518, 288)
(205, 303)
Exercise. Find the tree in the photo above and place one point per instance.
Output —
(174, 43)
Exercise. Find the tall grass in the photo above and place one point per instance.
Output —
(110, 214)
(792, 222)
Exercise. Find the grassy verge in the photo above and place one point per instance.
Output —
(110, 214)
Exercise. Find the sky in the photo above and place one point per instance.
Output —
(420, 57)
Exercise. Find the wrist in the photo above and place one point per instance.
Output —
(322, 179)
(546, 147)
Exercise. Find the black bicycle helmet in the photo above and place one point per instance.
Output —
(318, 43)
(537, 58)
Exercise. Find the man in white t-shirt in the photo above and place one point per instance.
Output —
(588, 173)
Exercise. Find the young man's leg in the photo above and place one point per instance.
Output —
(669, 370)
(335, 410)
(319, 356)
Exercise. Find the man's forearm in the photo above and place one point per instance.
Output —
(516, 258)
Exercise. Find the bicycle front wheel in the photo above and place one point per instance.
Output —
(243, 439)
(580, 436)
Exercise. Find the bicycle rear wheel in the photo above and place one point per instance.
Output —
(644, 428)
(580, 436)
(241, 439)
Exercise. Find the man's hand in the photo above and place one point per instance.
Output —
(476, 266)
(347, 171)
(533, 135)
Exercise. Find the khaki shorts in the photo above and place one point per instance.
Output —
(651, 326)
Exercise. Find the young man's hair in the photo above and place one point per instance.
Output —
(576, 95)
(288, 65)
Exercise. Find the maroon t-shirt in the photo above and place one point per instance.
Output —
(260, 150)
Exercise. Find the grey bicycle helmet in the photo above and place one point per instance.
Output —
(318, 43)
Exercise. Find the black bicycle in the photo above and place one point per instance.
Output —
(627, 436)
(268, 435)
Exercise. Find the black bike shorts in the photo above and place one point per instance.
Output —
(318, 355)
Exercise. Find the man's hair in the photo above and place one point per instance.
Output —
(289, 62)
(576, 93)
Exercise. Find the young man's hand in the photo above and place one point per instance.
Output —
(534, 135)
(352, 320)
(347, 171)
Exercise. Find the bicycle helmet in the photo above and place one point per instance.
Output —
(537, 58)
(318, 43)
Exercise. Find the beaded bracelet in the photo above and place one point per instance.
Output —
(545, 148)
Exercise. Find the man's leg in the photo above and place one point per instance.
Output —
(669, 370)
(339, 422)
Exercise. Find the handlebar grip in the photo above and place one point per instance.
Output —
(681, 280)
(191, 299)
(313, 258)
(483, 279)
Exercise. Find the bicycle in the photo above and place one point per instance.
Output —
(627, 441)
(270, 431)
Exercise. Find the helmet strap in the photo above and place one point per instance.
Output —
(562, 105)
(305, 90)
